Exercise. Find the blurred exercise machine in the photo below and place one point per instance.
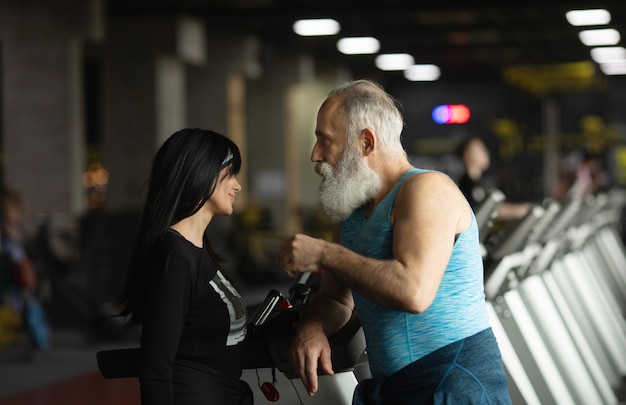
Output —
(555, 285)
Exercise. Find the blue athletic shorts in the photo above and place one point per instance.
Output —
(469, 371)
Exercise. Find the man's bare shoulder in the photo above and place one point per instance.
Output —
(426, 181)
(432, 191)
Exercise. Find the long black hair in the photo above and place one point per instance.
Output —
(185, 172)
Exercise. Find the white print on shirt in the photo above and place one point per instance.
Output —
(236, 308)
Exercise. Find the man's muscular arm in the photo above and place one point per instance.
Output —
(328, 312)
(428, 213)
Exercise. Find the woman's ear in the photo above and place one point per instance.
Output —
(368, 141)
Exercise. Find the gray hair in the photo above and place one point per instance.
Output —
(365, 104)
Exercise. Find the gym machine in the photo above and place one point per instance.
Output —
(555, 293)
(266, 351)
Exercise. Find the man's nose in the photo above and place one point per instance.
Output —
(316, 156)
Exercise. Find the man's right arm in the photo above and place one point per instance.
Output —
(329, 311)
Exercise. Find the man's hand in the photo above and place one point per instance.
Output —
(309, 348)
(300, 254)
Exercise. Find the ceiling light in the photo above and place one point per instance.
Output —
(597, 16)
(358, 45)
(394, 61)
(316, 27)
(608, 54)
(614, 68)
(605, 36)
(422, 73)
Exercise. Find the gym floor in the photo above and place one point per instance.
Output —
(66, 374)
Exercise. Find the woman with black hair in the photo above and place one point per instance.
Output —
(193, 320)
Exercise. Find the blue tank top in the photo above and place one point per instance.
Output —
(396, 338)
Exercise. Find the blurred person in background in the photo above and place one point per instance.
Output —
(193, 319)
(405, 256)
(476, 160)
(19, 281)
(582, 177)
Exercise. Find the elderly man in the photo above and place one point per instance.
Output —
(405, 256)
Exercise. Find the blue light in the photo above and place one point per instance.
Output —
(441, 114)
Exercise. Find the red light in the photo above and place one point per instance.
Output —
(451, 114)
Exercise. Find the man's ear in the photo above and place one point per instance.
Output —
(368, 141)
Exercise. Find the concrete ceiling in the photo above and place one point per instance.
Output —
(467, 40)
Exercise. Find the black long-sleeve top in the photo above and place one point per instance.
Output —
(189, 312)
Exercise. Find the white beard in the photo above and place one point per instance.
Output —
(348, 186)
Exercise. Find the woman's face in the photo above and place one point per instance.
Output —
(477, 155)
(223, 197)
